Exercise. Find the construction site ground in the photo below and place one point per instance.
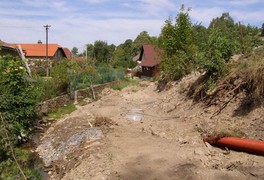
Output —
(167, 143)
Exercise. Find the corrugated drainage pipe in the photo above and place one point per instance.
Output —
(245, 145)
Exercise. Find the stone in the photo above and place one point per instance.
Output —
(209, 146)
(182, 141)
(168, 107)
(99, 177)
(201, 152)
(44, 110)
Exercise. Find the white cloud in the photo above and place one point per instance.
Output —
(73, 24)
(205, 15)
(156, 7)
(240, 2)
(96, 1)
(59, 5)
(35, 3)
(21, 12)
(72, 31)
(252, 17)
(112, 30)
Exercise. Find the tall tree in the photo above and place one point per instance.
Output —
(262, 30)
(74, 51)
(200, 36)
(249, 38)
(123, 55)
(225, 22)
(176, 41)
(142, 39)
(128, 49)
(111, 50)
(90, 51)
(101, 52)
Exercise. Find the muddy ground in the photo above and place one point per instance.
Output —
(99, 142)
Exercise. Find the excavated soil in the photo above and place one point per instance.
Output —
(99, 142)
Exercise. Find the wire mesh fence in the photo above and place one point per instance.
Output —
(100, 77)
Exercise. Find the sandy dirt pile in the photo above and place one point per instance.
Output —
(98, 141)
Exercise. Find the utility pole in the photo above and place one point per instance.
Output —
(241, 38)
(47, 46)
(86, 52)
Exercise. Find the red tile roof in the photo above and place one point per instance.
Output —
(4, 44)
(11, 49)
(67, 53)
(150, 56)
(82, 59)
(39, 50)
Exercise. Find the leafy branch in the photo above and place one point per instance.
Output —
(9, 144)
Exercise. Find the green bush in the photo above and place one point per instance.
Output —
(59, 113)
(28, 163)
(18, 97)
(178, 49)
(101, 75)
(47, 87)
(56, 84)
(60, 75)
(218, 52)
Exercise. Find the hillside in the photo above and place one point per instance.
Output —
(166, 144)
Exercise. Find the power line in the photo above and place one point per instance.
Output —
(24, 27)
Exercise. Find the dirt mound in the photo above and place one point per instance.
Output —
(103, 121)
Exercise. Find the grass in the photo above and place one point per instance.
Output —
(221, 133)
(124, 84)
(61, 112)
(229, 133)
(9, 169)
(252, 72)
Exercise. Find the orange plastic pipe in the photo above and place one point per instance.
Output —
(246, 145)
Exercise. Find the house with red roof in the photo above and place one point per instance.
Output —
(10, 49)
(38, 51)
(149, 58)
(67, 53)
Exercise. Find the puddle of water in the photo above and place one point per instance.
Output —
(135, 115)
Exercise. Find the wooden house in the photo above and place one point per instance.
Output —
(149, 58)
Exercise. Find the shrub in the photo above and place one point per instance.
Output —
(18, 97)
(27, 160)
(47, 87)
(218, 51)
(60, 112)
(60, 75)
(176, 41)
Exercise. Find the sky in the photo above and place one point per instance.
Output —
(75, 23)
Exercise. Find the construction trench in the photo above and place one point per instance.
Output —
(140, 133)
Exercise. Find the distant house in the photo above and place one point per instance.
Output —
(149, 58)
(38, 51)
(10, 49)
(77, 58)
(67, 53)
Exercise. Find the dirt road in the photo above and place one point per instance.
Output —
(165, 144)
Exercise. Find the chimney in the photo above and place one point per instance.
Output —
(39, 42)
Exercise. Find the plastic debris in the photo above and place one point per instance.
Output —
(135, 115)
